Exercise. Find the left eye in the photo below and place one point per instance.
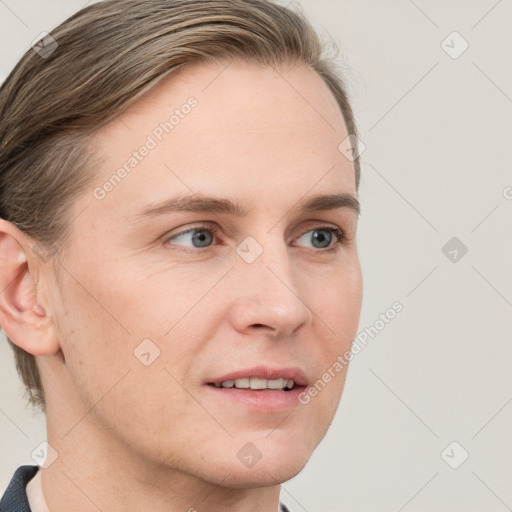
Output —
(319, 236)
(203, 236)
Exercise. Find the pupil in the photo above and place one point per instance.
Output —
(321, 236)
(200, 237)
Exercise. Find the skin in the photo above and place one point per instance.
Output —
(130, 436)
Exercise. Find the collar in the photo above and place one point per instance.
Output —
(15, 496)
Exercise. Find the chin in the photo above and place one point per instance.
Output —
(264, 475)
(276, 465)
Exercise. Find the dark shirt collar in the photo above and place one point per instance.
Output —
(15, 496)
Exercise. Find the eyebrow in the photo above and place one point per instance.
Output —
(201, 203)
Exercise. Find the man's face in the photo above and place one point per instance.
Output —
(272, 288)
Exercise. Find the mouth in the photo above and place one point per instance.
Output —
(256, 384)
(260, 389)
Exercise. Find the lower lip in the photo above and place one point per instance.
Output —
(262, 400)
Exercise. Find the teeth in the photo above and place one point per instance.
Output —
(258, 383)
(255, 383)
(277, 383)
(242, 383)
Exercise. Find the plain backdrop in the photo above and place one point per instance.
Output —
(433, 387)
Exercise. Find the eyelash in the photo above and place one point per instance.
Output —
(212, 230)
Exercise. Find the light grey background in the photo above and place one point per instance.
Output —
(437, 165)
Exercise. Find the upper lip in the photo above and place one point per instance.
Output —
(265, 372)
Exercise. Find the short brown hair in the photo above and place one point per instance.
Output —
(107, 55)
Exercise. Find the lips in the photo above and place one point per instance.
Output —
(264, 372)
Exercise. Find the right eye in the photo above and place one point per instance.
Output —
(206, 233)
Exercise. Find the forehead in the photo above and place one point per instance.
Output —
(246, 88)
(222, 129)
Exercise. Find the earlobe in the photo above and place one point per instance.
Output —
(23, 319)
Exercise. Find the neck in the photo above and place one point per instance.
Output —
(95, 471)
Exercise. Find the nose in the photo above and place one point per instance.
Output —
(268, 294)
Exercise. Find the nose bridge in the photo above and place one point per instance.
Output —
(266, 261)
(269, 292)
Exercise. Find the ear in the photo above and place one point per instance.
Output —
(24, 320)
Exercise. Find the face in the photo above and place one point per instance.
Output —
(156, 304)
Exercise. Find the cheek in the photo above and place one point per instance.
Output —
(110, 319)
(337, 304)
(338, 310)
(108, 370)
(95, 334)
